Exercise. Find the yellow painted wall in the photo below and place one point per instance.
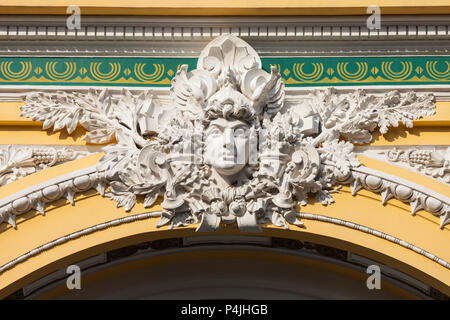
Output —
(14, 129)
(226, 7)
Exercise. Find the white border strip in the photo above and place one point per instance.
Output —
(75, 235)
(147, 215)
(401, 181)
(376, 233)
(441, 92)
(55, 181)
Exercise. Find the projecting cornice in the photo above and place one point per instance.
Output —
(184, 36)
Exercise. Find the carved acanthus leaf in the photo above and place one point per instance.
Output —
(355, 115)
(104, 116)
(340, 154)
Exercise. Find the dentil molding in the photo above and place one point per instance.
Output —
(43, 35)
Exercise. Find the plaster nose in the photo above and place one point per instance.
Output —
(229, 138)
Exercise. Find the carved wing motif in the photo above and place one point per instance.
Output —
(190, 90)
(265, 91)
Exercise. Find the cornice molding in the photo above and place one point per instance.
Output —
(186, 36)
(280, 31)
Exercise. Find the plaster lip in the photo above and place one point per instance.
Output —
(228, 157)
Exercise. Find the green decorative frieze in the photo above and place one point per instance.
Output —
(336, 71)
(296, 71)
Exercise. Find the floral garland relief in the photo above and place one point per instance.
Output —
(229, 149)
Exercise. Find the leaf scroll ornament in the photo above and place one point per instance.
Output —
(355, 115)
(104, 116)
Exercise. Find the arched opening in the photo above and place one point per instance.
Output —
(231, 267)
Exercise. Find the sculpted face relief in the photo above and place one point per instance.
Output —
(227, 146)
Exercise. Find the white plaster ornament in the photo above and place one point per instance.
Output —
(230, 150)
(19, 161)
(433, 163)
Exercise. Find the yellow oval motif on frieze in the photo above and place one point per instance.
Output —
(313, 76)
(5, 68)
(386, 69)
(71, 68)
(98, 75)
(346, 75)
(155, 76)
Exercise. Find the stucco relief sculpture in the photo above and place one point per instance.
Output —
(430, 162)
(231, 150)
(19, 161)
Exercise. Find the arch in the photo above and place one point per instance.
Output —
(218, 271)
(91, 210)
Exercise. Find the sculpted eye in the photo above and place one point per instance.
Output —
(214, 131)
